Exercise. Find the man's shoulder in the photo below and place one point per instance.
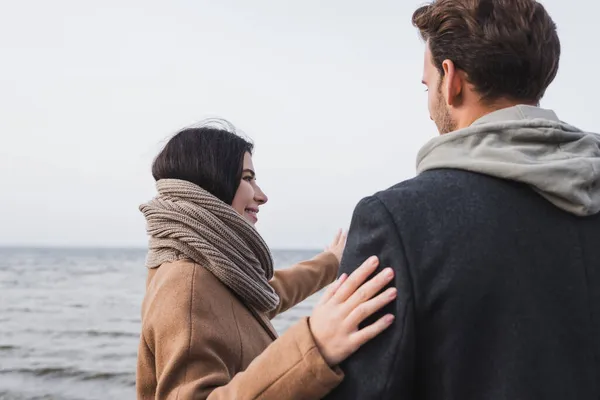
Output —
(430, 186)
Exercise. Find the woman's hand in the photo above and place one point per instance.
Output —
(338, 245)
(346, 303)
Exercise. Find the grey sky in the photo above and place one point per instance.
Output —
(330, 93)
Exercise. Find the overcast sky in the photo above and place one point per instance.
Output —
(329, 91)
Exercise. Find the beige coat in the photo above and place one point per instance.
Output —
(199, 341)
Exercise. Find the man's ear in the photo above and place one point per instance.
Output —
(452, 83)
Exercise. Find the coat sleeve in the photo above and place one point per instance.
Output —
(384, 367)
(296, 283)
(196, 348)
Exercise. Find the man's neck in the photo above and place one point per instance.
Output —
(479, 110)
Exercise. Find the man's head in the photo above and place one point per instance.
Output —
(483, 55)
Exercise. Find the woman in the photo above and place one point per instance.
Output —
(211, 287)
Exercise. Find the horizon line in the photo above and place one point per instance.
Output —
(119, 247)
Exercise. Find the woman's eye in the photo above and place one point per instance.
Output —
(248, 178)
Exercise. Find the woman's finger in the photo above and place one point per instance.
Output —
(332, 289)
(343, 237)
(369, 332)
(370, 288)
(364, 310)
(357, 278)
(336, 240)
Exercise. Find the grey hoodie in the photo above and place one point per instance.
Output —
(530, 145)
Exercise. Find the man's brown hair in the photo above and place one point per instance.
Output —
(507, 48)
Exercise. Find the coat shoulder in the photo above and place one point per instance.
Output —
(432, 189)
(183, 289)
(185, 275)
(430, 184)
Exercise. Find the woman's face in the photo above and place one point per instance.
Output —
(248, 197)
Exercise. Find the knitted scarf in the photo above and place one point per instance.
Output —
(185, 221)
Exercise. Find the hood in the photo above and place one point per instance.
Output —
(530, 145)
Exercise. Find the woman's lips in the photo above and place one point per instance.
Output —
(251, 212)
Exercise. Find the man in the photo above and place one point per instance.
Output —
(496, 242)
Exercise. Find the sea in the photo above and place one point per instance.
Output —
(70, 321)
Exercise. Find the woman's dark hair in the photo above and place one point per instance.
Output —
(211, 157)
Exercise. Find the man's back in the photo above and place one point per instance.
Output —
(499, 293)
(495, 243)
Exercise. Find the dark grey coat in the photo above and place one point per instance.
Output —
(499, 293)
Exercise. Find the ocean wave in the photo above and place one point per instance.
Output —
(89, 333)
(72, 373)
(111, 334)
(28, 310)
(136, 320)
(118, 356)
(10, 395)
